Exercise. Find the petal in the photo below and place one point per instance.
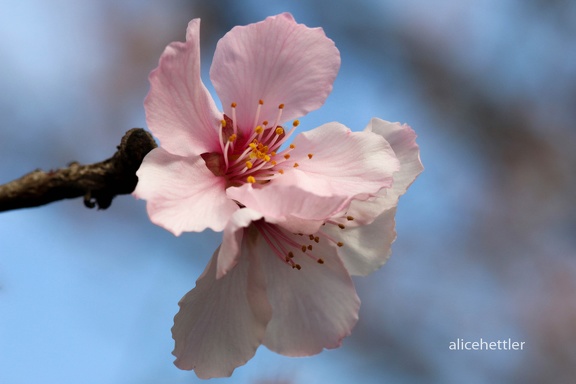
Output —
(277, 61)
(366, 248)
(179, 109)
(333, 160)
(402, 139)
(288, 205)
(312, 308)
(182, 194)
(232, 239)
(222, 322)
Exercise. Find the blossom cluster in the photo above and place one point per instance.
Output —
(299, 213)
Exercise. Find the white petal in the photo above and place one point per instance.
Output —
(313, 308)
(221, 322)
(366, 248)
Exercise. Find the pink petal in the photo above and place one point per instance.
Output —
(366, 248)
(179, 109)
(312, 308)
(232, 239)
(222, 322)
(182, 194)
(342, 162)
(277, 61)
(403, 141)
(288, 205)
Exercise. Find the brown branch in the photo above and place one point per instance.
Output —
(99, 183)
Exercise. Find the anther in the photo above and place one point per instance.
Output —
(281, 171)
(287, 156)
(349, 218)
(249, 164)
(259, 129)
(317, 239)
(281, 106)
(298, 267)
(303, 248)
(341, 226)
(233, 105)
(310, 247)
(261, 102)
(292, 146)
(311, 237)
(296, 165)
(232, 138)
(320, 261)
(279, 131)
(223, 122)
(251, 179)
(339, 243)
(296, 123)
(310, 155)
(265, 123)
(290, 255)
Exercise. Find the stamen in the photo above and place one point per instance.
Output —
(260, 103)
(234, 124)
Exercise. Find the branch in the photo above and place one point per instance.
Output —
(99, 183)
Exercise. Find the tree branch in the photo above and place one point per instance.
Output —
(99, 183)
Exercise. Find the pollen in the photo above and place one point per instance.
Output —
(249, 164)
(279, 130)
(310, 155)
(251, 179)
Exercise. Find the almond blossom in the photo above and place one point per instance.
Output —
(299, 217)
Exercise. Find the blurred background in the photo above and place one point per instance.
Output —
(486, 242)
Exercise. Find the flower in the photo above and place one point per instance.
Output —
(297, 219)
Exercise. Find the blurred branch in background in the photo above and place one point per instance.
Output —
(99, 183)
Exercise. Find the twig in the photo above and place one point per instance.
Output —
(99, 183)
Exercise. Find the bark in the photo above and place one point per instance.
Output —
(98, 183)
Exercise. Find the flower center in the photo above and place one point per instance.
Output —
(253, 155)
(289, 247)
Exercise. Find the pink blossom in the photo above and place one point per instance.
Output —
(297, 219)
